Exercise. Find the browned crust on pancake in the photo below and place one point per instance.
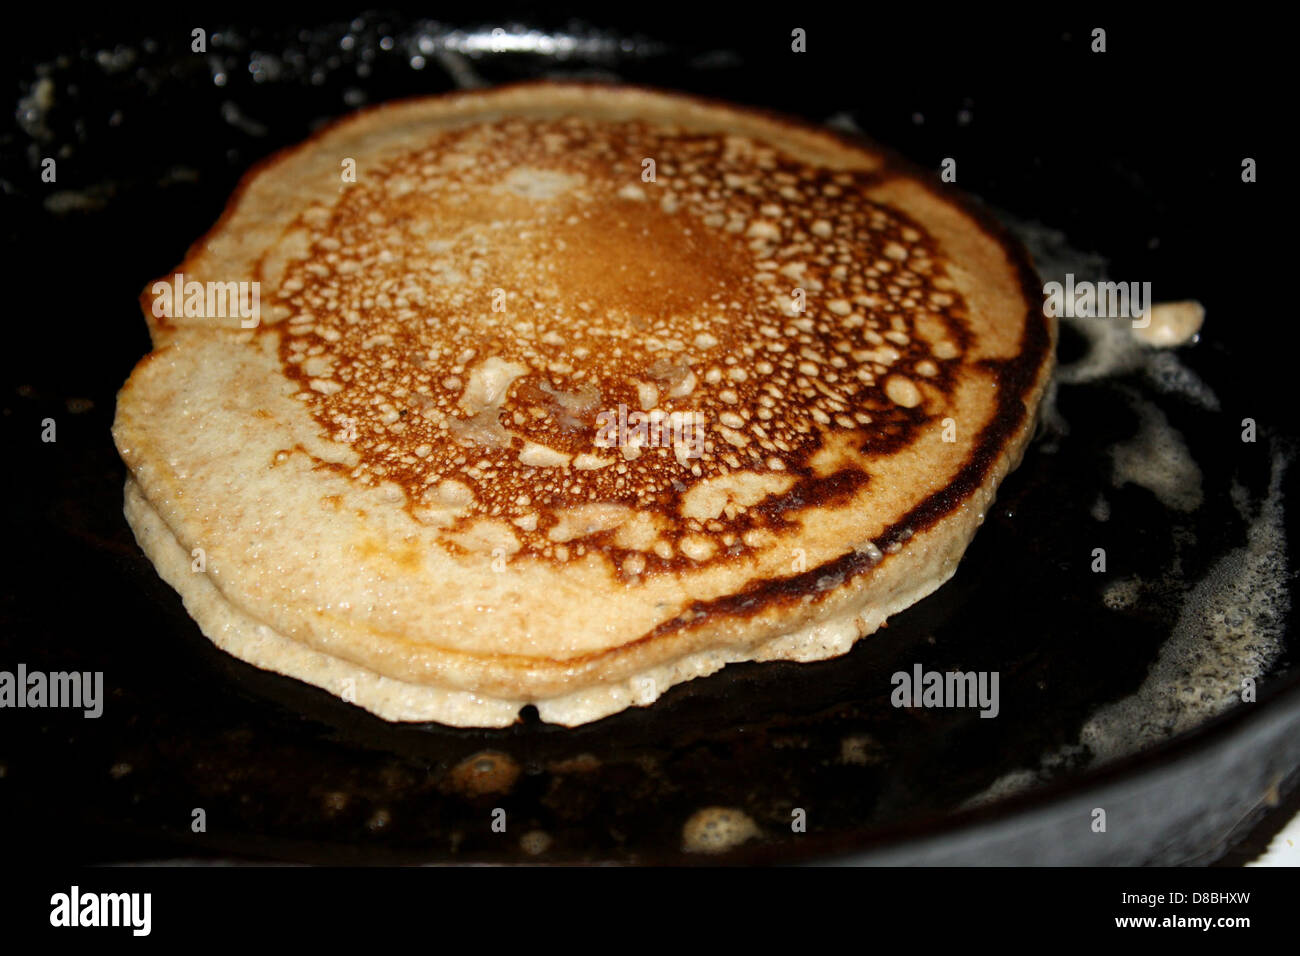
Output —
(1021, 381)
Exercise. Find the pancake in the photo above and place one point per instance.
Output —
(564, 394)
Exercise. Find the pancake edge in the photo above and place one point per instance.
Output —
(904, 578)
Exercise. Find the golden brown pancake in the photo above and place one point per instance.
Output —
(564, 394)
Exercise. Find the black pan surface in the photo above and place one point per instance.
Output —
(1119, 690)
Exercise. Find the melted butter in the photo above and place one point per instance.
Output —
(1231, 622)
